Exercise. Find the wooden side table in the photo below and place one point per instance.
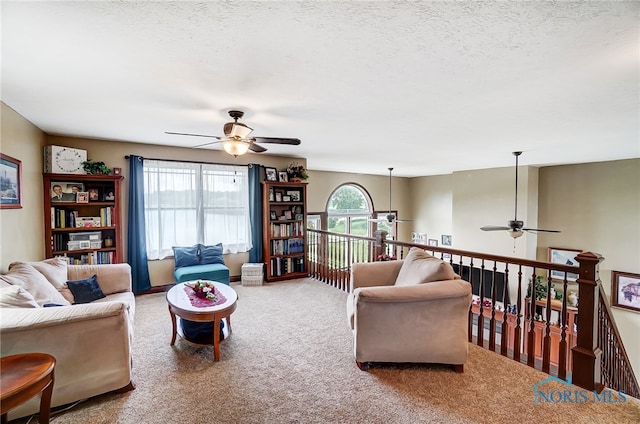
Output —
(22, 377)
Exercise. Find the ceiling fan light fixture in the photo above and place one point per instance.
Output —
(237, 129)
(515, 233)
(235, 146)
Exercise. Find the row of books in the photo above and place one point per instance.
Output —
(287, 247)
(286, 230)
(66, 218)
(93, 258)
(282, 266)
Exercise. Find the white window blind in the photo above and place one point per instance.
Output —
(189, 203)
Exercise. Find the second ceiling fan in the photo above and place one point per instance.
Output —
(390, 218)
(236, 140)
(516, 228)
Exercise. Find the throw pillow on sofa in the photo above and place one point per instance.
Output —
(27, 277)
(16, 297)
(86, 290)
(211, 254)
(55, 271)
(186, 256)
(420, 267)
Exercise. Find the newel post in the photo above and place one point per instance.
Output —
(378, 245)
(587, 353)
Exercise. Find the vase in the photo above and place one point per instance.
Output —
(572, 298)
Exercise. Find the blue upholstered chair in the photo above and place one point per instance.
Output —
(200, 262)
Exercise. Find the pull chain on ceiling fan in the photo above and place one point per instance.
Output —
(516, 228)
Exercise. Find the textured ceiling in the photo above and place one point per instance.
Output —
(426, 87)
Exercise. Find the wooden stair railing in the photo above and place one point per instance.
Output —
(546, 334)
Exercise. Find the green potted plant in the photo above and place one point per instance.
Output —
(93, 168)
(296, 172)
(540, 291)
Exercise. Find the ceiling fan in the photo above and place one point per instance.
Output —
(390, 218)
(516, 228)
(236, 141)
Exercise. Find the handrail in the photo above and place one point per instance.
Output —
(549, 334)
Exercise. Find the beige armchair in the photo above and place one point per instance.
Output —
(415, 311)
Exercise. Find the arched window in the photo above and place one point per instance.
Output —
(349, 209)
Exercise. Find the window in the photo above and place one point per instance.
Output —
(348, 210)
(188, 203)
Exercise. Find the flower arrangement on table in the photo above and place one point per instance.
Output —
(296, 171)
(385, 257)
(204, 290)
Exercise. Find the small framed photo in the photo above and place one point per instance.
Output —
(65, 192)
(299, 217)
(271, 174)
(625, 290)
(283, 177)
(294, 194)
(278, 196)
(108, 196)
(565, 257)
(286, 198)
(433, 242)
(117, 171)
(11, 183)
(273, 215)
(94, 194)
(287, 214)
(271, 196)
(446, 240)
(82, 197)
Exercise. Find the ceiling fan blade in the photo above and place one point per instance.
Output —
(192, 135)
(536, 230)
(404, 220)
(278, 140)
(256, 149)
(494, 228)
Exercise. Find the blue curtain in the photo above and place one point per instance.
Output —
(255, 212)
(136, 240)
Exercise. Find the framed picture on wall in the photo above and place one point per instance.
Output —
(10, 182)
(625, 290)
(565, 257)
(271, 174)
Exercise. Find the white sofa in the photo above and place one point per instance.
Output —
(91, 342)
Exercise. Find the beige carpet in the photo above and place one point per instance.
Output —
(290, 360)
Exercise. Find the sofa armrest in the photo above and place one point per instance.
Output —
(368, 274)
(22, 319)
(112, 278)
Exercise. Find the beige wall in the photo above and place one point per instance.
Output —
(22, 230)
(322, 184)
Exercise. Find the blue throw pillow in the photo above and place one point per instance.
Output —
(186, 256)
(85, 291)
(211, 254)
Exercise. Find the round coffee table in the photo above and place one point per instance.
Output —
(23, 376)
(180, 305)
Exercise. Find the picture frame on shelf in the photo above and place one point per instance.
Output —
(108, 196)
(296, 209)
(286, 198)
(82, 197)
(565, 257)
(65, 191)
(283, 177)
(117, 171)
(273, 215)
(271, 174)
(287, 215)
(94, 194)
(11, 183)
(278, 196)
(625, 290)
(294, 194)
(271, 196)
(298, 217)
